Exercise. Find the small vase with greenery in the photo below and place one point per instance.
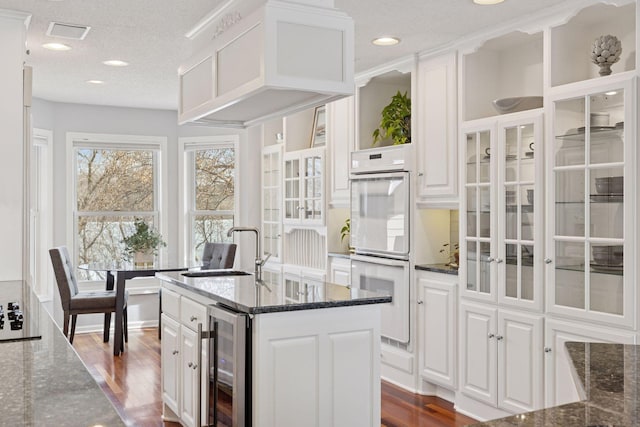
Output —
(345, 231)
(143, 244)
(396, 121)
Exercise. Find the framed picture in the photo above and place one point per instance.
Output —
(319, 130)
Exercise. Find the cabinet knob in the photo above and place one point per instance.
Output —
(547, 261)
(499, 260)
(547, 349)
(174, 352)
(490, 336)
(193, 318)
(499, 337)
(491, 259)
(194, 366)
(420, 302)
(420, 174)
(190, 365)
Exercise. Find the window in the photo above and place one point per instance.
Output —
(210, 186)
(115, 181)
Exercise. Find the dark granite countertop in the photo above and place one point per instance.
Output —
(245, 295)
(608, 379)
(438, 268)
(44, 382)
(339, 255)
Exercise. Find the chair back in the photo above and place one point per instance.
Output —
(65, 275)
(218, 255)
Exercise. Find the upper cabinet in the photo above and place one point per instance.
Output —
(435, 116)
(503, 69)
(341, 141)
(374, 92)
(571, 42)
(304, 187)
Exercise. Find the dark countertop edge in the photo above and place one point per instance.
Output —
(437, 268)
(345, 255)
(277, 308)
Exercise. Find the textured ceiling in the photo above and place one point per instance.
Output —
(149, 34)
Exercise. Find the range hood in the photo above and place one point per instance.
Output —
(282, 57)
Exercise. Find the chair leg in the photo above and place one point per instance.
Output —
(159, 314)
(74, 317)
(125, 326)
(107, 326)
(65, 327)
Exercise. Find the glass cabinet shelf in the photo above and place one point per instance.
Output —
(598, 198)
(596, 132)
(615, 270)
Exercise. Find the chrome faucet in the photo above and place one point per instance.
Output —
(259, 262)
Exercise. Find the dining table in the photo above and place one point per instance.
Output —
(117, 274)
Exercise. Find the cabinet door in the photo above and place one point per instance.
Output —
(520, 358)
(170, 351)
(341, 141)
(437, 130)
(312, 183)
(478, 364)
(189, 370)
(291, 184)
(560, 387)
(519, 160)
(340, 271)
(477, 247)
(272, 201)
(592, 205)
(437, 323)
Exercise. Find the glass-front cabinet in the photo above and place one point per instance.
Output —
(272, 201)
(304, 187)
(590, 259)
(502, 171)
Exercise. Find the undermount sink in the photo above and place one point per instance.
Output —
(215, 273)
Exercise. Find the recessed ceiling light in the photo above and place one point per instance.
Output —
(56, 46)
(385, 41)
(115, 63)
(95, 82)
(485, 2)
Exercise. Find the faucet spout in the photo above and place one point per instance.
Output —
(258, 260)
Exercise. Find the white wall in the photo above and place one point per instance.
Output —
(63, 117)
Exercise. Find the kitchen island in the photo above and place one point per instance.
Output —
(44, 382)
(312, 354)
(608, 379)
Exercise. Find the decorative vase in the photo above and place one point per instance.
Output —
(143, 259)
(605, 52)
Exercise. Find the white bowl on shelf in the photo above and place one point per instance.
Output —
(518, 103)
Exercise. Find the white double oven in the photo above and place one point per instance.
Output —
(380, 205)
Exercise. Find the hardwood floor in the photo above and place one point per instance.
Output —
(132, 383)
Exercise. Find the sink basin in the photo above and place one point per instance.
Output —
(215, 273)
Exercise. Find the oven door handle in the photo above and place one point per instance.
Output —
(377, 260)
(377, 175)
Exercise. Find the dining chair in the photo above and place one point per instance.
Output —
(75, 302)
(214, 256)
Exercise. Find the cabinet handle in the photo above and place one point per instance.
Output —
(195, 366)
(175, 352)
(491, 335)
(190, 365)
(547, 261)
(420, 174)
(499, 337)
(499, 260)
(491, 259)
(420, 302)
(547, 349)
(193, 318)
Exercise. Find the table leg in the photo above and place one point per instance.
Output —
(107, 316)
(118, 344)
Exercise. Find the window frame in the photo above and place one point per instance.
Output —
(188, 145)
(157, 144)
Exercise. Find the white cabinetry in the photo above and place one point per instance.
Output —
(340, 270)
(272, 201)
(317, 367)
(341, 142)
(559, 382)
(435, 115)
(437, 298)
(501, 357)
(304, 187)
(180, 367)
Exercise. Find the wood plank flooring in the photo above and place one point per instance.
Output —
(132, 383)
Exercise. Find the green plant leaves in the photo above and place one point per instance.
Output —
(396, 121)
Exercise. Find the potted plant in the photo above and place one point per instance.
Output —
(453, 257)
(143, 244)
(345, 231)
(396, 121)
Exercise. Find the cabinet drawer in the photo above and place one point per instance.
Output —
(192, 313)
(170, 303)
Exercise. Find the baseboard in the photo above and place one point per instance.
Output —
(87, 329)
